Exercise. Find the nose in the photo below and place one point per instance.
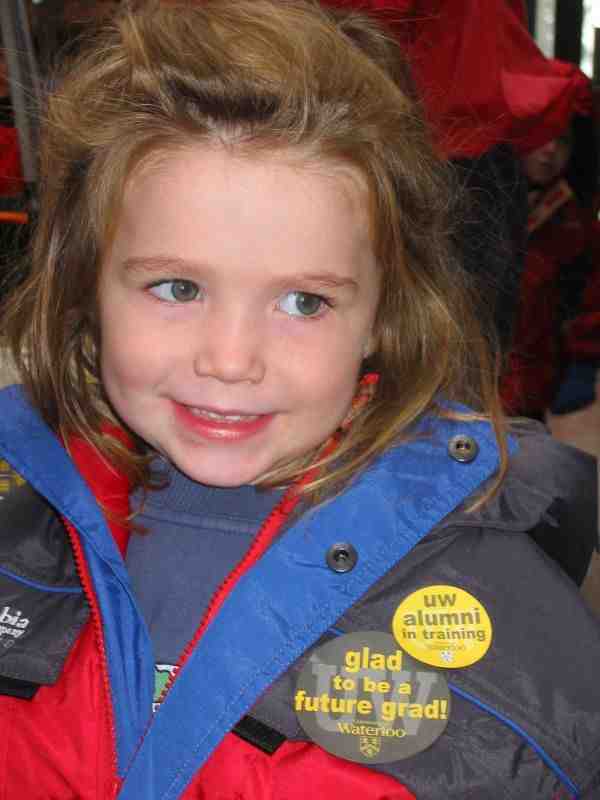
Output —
(550, 148)
(230, 348)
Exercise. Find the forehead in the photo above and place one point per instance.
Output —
(272, 202)
(252, 163)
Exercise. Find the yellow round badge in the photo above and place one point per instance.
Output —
(443, 626)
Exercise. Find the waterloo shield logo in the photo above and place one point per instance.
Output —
(369, 746)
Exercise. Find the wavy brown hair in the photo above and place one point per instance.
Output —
(261, 75)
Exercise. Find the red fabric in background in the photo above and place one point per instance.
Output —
(11, 175)
(481, 75)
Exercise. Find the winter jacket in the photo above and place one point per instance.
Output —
(77, 672)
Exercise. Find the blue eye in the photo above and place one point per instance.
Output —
(302, 304)
(176, 291)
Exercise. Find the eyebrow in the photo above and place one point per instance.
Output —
(180, 266)
(328, 280)
(159, 264)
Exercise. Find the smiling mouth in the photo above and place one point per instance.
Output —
(232, 425)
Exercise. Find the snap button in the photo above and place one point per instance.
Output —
(463, 448)
(341, 557)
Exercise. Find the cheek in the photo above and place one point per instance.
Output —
(130, 347)
(129, 359)
(335, 369)
(331, 386)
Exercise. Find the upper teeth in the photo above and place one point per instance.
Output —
(201, 412)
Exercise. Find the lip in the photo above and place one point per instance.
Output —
(242, 425)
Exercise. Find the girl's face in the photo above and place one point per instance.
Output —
(237, 303)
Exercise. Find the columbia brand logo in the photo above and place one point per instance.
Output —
(12, 626)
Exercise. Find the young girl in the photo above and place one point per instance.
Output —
(243, 324)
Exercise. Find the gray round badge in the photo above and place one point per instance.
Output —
(362, 698)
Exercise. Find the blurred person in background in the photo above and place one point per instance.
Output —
(562, 246)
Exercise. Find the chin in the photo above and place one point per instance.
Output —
(228, 479)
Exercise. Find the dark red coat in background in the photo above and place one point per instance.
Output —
(535, 364)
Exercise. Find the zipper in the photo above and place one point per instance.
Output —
(267, 533)
(90, 596)
(262, 540)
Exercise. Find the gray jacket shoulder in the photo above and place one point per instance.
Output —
(550, 492)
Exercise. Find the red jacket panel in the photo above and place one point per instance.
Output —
(62, 747)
